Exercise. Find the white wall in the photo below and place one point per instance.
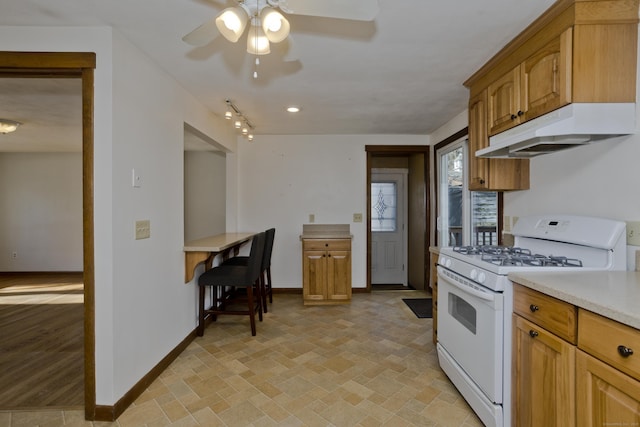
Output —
(143, 308)
(41, 211)
(284, 178)
(204, 194)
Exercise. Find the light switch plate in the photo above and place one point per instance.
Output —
(143, 229)
(312, 218)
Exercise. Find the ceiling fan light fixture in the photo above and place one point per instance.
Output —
(8, 126)
(275, 26)
(257, 42)
(231, 23)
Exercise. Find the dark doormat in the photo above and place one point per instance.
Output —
(421, 307)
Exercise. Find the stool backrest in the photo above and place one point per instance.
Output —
(254, 264)
(268, 248)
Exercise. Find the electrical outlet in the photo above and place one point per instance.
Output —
(14, 255)
(506, 223)
(633, 233)
(312, 218)
(357, 217)
(143, 229)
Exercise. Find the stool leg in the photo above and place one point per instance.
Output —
(263, 292)
(268, 285)
(200, 329)
(252, 310)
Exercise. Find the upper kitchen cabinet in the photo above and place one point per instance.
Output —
(491, 174)
(541, 83)
(578, 51)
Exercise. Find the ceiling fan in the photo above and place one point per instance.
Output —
(268, 25)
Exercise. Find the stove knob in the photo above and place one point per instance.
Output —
(474, 274)
(447, 263)
(481, 277)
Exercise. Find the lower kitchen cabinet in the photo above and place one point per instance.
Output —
(608, 377)
(607, 396)
(544, 381)
(589, 378)
(326, 271)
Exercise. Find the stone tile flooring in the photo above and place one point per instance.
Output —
(370, 363)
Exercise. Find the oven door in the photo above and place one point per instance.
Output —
(470, 329)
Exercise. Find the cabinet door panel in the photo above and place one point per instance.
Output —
(546, 78)
(607, 396)
(478, 139)
(544, 377)
(339, 274)
(504, 102)
(315, 270)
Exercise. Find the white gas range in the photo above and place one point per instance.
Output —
(475, 298)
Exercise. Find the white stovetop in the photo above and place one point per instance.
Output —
(613, 294)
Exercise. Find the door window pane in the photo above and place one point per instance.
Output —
(383, 206)
(464, 217)
(455, 179)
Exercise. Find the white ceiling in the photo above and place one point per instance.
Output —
(400, 74)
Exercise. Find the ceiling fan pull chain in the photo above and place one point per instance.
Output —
(255, 72)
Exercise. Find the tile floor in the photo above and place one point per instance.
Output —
(370, 363)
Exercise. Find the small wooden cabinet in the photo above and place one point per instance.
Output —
(543, 362)
(326, 271)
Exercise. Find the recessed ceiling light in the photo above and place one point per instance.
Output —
(293, 109)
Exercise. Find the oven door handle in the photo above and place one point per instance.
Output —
(468, 288)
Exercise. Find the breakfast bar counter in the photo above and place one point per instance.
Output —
(206, 248)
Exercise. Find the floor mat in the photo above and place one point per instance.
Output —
(421, 307)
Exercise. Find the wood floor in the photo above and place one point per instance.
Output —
(41, 340)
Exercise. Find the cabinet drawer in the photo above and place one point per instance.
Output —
(601, 337)
(326, 244)
(550, 313)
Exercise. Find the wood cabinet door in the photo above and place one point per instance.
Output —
(546, 78)
(504, 109)
(478, 139)
(607, 397)
(339, 275)
(314, 269)
(543, 377)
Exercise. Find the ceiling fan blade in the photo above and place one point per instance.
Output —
(359, 10)
(203, 34)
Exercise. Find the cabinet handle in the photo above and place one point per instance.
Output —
(481, 181)
(534, 308)
(625, 351)
(533, 333)
(520, 113)
(329, 255)
(513, 117)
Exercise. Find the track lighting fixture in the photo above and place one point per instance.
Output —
(241, 121)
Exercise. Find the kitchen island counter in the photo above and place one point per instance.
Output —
(612, 294)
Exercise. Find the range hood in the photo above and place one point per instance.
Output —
(570, 126)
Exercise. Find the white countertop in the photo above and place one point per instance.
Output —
(612, 294)
(217, 243)
(326, 231)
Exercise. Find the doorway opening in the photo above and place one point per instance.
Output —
(81, 66)
(409, 250)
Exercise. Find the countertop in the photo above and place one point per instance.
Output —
(612, 294)
(326, 231)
